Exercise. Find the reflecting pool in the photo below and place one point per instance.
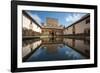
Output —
(54, 49)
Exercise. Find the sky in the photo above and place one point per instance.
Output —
(64, 18)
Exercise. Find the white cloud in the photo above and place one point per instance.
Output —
(71, 18)
(35, 17)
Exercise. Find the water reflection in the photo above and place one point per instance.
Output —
(82, 46)
(29, 46)
(51, 49)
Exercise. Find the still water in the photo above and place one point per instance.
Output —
(52, 49)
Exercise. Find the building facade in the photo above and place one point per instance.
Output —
(30, 27)
(80, 27)
(52, 28)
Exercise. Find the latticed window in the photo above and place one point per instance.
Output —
(87, 20)
(31, 26)
(87, 31)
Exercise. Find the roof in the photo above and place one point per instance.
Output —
(28, 16)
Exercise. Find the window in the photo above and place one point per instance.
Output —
(31, 22)
(87, 31)
(87, 20)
